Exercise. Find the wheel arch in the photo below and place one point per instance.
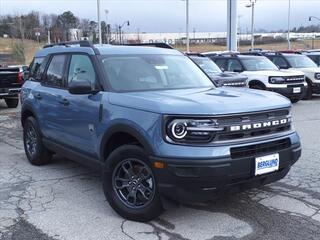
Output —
(128, 135)
(26, 112)
(256, 82)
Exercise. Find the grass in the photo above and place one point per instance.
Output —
(31, 47)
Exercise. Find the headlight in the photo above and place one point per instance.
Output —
(191, 130)
(277, 80)
(317, 76)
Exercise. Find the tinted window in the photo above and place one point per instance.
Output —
(258, 64)
(35, 66)
(81, 69)
(234, 65)
(206, 64)
(300, 61)
(315, 58)
(280, 62)
(150, 72)
(221, 63)
(55, 71)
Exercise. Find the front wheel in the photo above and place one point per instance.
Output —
(309, 92)
(294, 100)
(130, 185)
(257, 87)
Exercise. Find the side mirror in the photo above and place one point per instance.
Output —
(26, 75)
(80, 87)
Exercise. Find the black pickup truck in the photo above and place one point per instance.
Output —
(11, 80)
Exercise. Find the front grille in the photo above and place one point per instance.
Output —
(253, 119)
(257, 149)
(295, 79)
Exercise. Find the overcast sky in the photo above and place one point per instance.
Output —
(169, 15)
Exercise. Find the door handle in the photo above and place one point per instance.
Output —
(38, 96)
(64, 102)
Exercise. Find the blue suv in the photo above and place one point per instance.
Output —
(155, 125)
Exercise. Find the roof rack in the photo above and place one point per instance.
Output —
(195, 54)
(158, 45)
(82, 43)
(291, 51)
(262, 52)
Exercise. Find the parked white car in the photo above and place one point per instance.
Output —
(263, 74)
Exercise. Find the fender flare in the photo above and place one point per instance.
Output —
(27, 107)
(258, 82)
(124, 128)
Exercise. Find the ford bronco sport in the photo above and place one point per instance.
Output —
(263, 74)
(296, 61)
(155, 123)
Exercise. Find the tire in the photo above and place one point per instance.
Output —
(257, 87)
(36, 152)
(294, 100)
(12, 102)
(309, 93)
(136, 162)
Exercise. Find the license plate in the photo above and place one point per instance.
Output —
(267, 164)
(297, 90)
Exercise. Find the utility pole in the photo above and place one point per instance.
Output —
(289, 16)
(108, 37)
(232, 25)
(99, 22)
(251, 5)
(187, 25)
(49, 36)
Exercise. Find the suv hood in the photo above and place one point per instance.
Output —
(275, 73)
(201, 101)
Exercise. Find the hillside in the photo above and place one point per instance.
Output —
(30, 47)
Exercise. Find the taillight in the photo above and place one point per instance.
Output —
(20, 77)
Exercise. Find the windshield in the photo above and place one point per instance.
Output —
(299, 61)
(153, 72)
(258, 64)
(207, 65)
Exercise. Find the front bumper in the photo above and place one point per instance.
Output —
(199, 180)
(289, 91)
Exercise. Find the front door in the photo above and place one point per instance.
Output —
(81, 112)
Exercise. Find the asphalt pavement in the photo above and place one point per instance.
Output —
(64, 200)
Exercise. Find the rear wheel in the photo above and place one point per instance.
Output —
(130, 185)
(12, 102)
(36, 152)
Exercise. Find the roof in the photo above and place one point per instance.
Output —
(106, 49)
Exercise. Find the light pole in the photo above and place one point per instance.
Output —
(120, 30)
(251, 5)
(314, 35)
(187, 25)
(289, 16)
(108, 37)
(99, 22)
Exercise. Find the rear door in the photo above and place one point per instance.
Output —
(49, 95)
